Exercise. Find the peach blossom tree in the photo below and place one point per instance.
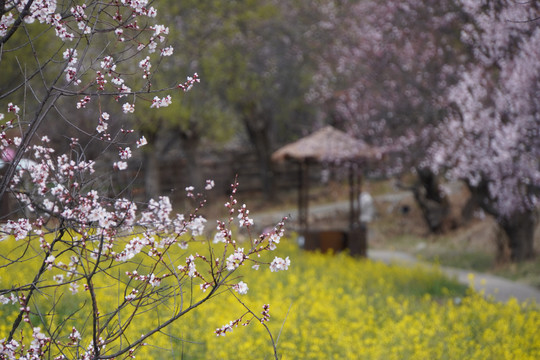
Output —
(491, 138)
(76, 231)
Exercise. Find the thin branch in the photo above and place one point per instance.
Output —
(25, 12)
(283, 323)
(35, 282)
(274, 344)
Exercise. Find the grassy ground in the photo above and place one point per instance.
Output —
(468, 246)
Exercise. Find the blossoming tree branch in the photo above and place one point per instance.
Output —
(76, 240)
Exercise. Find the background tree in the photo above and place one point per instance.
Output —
(201, 118)
(491, 139)
(255, 61)
(384, 78)
(251, 57)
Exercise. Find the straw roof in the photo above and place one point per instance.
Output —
(327, 144)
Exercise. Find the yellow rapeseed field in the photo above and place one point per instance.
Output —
(335, 307)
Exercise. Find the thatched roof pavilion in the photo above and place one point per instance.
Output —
(329, 145)
(325, 145)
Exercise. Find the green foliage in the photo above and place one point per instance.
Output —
(248, 55)
(27, 52)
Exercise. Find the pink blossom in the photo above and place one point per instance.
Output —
(71, 56)
(74, 287)
(50, 261)
(83, 102)
(125, 153)
(168, 51)
(209, 185)
(154, 281)
(128, 108)
(191, 80)
(132, 248)
(13, 108)
(74, 336)
(236, 259)
(163, 102)
(196, 226)
(102, 123)
(241, 288)
(190, 268)
(5, 23)
(145, 65)
(220, 237)
(108, 64)
(141, 142)
(273, 240)
(19, 228)
(280, 264)
(132, 295)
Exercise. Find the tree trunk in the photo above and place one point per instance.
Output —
(519, 229)
(433, 202)
(152, 183)
(259, 135)
(190, 144)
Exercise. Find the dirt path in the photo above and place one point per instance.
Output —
(501, 289)
(272, 217)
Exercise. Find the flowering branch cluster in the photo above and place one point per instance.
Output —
(78, 236)
(103, 233)
(90, 67)
(264, 317)
(451, 87)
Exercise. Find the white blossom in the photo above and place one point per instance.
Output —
(128, 108)
(168, 51)
(209, 184)
(241, 288)
(196, 226)
(280, 264)
(236, 259)
(141, 142)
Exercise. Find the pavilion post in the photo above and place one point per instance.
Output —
(357, 235)
(303, 193)
(355, 183)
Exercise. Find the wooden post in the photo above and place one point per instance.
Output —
(354, 195)
(357, 236)
(303, 192)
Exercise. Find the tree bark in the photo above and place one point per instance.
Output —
(190, 144)
(152, 179)
(519, 229)
(258, 129)
(433, 202)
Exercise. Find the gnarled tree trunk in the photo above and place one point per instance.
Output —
(433, 202)
(519, 229)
